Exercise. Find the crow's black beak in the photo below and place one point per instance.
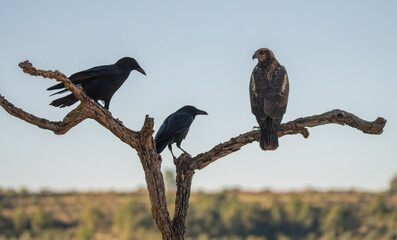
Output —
(141, 71)
(201, 112)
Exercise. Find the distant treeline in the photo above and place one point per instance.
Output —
(231, 215)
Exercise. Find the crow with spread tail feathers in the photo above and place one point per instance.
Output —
(99, 83)
(269, 89)
(175, 128)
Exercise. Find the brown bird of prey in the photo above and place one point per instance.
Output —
(269, 90)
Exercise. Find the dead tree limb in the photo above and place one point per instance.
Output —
(142, 142)
(186, 165)
(298, 126)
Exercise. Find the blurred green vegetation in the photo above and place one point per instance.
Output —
(227, 215)
(91, 220)
(133, 219)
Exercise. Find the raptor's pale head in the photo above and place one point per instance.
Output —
(262, 54)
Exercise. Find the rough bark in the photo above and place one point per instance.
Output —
(184, 177)
(142, 142)
(298, 126)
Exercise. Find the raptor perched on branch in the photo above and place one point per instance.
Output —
(186, 165)
(269, 90)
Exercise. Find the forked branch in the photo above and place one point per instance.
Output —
(142, 142)
(186, 165)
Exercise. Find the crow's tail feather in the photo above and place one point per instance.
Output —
(56, 86)
(64, 101)
(59, 92)
(269, 134)
(161, 145)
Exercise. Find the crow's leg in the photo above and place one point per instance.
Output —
(170, 148)
(107, 103)
(97, 102)
(179, 146)
(106, 106)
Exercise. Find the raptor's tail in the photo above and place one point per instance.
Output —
(64, 101)
(269, 134)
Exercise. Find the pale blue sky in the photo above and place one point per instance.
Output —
(338, 54)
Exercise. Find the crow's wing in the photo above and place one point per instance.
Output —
(107, 71)
(269, 92)
(173, 125)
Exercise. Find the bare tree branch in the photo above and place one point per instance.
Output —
(28, 68)
(87, 109)
(142, 142)
(151, 163)
(186, 165)
(184, 177)
(19, 113)
(298, 126)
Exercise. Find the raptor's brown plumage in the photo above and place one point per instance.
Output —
(269, 90)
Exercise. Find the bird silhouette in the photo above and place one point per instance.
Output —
(99, 83)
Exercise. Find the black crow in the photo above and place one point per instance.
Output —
(99, 83)
(175, 128)
(269, 89)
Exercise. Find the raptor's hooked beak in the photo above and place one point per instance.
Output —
(201, 112)
(141, 71)
(253, 57)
